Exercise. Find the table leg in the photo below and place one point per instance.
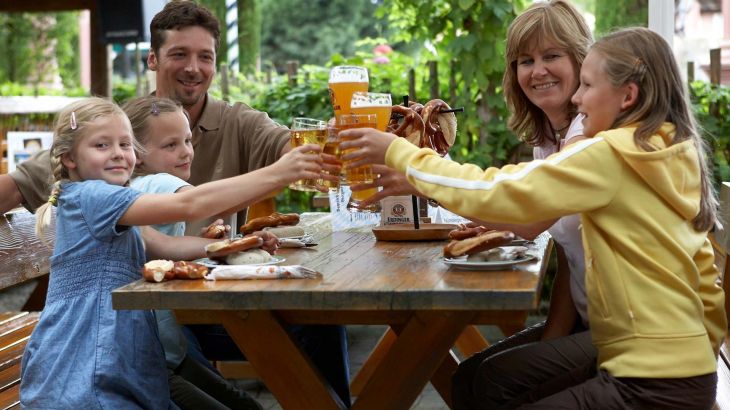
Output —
(374, 358)
(418, 351)
(471, 341)
(285, 370)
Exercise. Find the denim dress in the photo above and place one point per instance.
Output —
(83, 354)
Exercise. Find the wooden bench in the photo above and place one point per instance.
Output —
(23, 258)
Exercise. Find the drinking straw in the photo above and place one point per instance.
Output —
(414, 200)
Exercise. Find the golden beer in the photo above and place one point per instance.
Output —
(373, 103)
(364, 174)
(332, 147)
(360, 196)
(307, 131)
(343, 82)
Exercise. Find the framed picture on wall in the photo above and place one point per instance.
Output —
(23, 144)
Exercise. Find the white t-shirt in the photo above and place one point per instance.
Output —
(567, 230)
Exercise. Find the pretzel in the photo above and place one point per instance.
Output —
(275, 219)
(476, 244)
(439, 129)
(215, 232)
(222, 248)
(411, 128)
(157, 270)
(463, 232)
(188, 270)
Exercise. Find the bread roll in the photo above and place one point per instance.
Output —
(158, 270)
(248, 257)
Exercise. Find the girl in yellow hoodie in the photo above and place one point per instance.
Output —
(646, 203)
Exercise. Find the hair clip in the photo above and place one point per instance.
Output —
(74, 125)
(155, 109)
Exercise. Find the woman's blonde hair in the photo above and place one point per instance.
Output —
(640, 56)
(69, 126)
(139, 110)
(557, 22)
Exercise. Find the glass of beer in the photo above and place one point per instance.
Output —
(331, 147)
(307, 131)
(373, 103)
(343, 82)
(363, 174)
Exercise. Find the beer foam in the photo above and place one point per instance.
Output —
(348, 74)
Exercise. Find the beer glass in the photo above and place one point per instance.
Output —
(363, 174)
(343, 82)
(373, 103)
(331, 147)
(307, 131)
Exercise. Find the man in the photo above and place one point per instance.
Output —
(228, 141)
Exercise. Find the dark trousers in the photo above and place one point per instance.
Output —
(326, 346)
(610, 393)
(522, 369)
(194, 386)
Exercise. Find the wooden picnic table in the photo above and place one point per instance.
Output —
(405, 285)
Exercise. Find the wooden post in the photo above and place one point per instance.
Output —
(291, 71)
(137, 69)
(690, 72)
(268, 75)
(224, 82)
(715, 71)
(715, 66)
(433, 74)
(412, 84)
(100, 78)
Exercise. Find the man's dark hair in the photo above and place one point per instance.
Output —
(181, 14)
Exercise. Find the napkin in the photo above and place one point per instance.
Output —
(261, 272)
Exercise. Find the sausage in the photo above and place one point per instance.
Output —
(463, 232)
(275, 219)
(222, 248)
(476, 244)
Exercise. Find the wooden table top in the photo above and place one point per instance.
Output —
(22, 255)
(359, 273)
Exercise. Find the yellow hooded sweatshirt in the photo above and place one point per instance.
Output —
(654, 305)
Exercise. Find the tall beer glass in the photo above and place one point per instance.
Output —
(373, 103)
(307, 131)
(343, 82)
(359, 175)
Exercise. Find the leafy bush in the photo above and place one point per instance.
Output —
(715, 125)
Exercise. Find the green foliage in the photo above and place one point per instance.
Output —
(466, 37)
(310, 32)
(66, 34)
(15, 37)
(715, 125)
(620, 13)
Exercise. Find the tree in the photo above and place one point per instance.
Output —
(249, 35)
(312, 31)
(620, 13)
(468, 37)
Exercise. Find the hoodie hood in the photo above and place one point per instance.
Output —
(673, 172)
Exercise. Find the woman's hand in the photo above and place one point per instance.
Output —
(331, 168)
(393, 183)
(370, 146)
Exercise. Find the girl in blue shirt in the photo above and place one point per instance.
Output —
(83, 353)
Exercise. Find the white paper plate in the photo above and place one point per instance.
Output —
(463, 263)
(212, 264)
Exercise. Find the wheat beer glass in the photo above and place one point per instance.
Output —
(373, 103)
(331, 147)
(343, 82)
(307, 131)
(359, 175)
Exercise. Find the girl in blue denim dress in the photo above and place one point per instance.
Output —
(83, 353)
